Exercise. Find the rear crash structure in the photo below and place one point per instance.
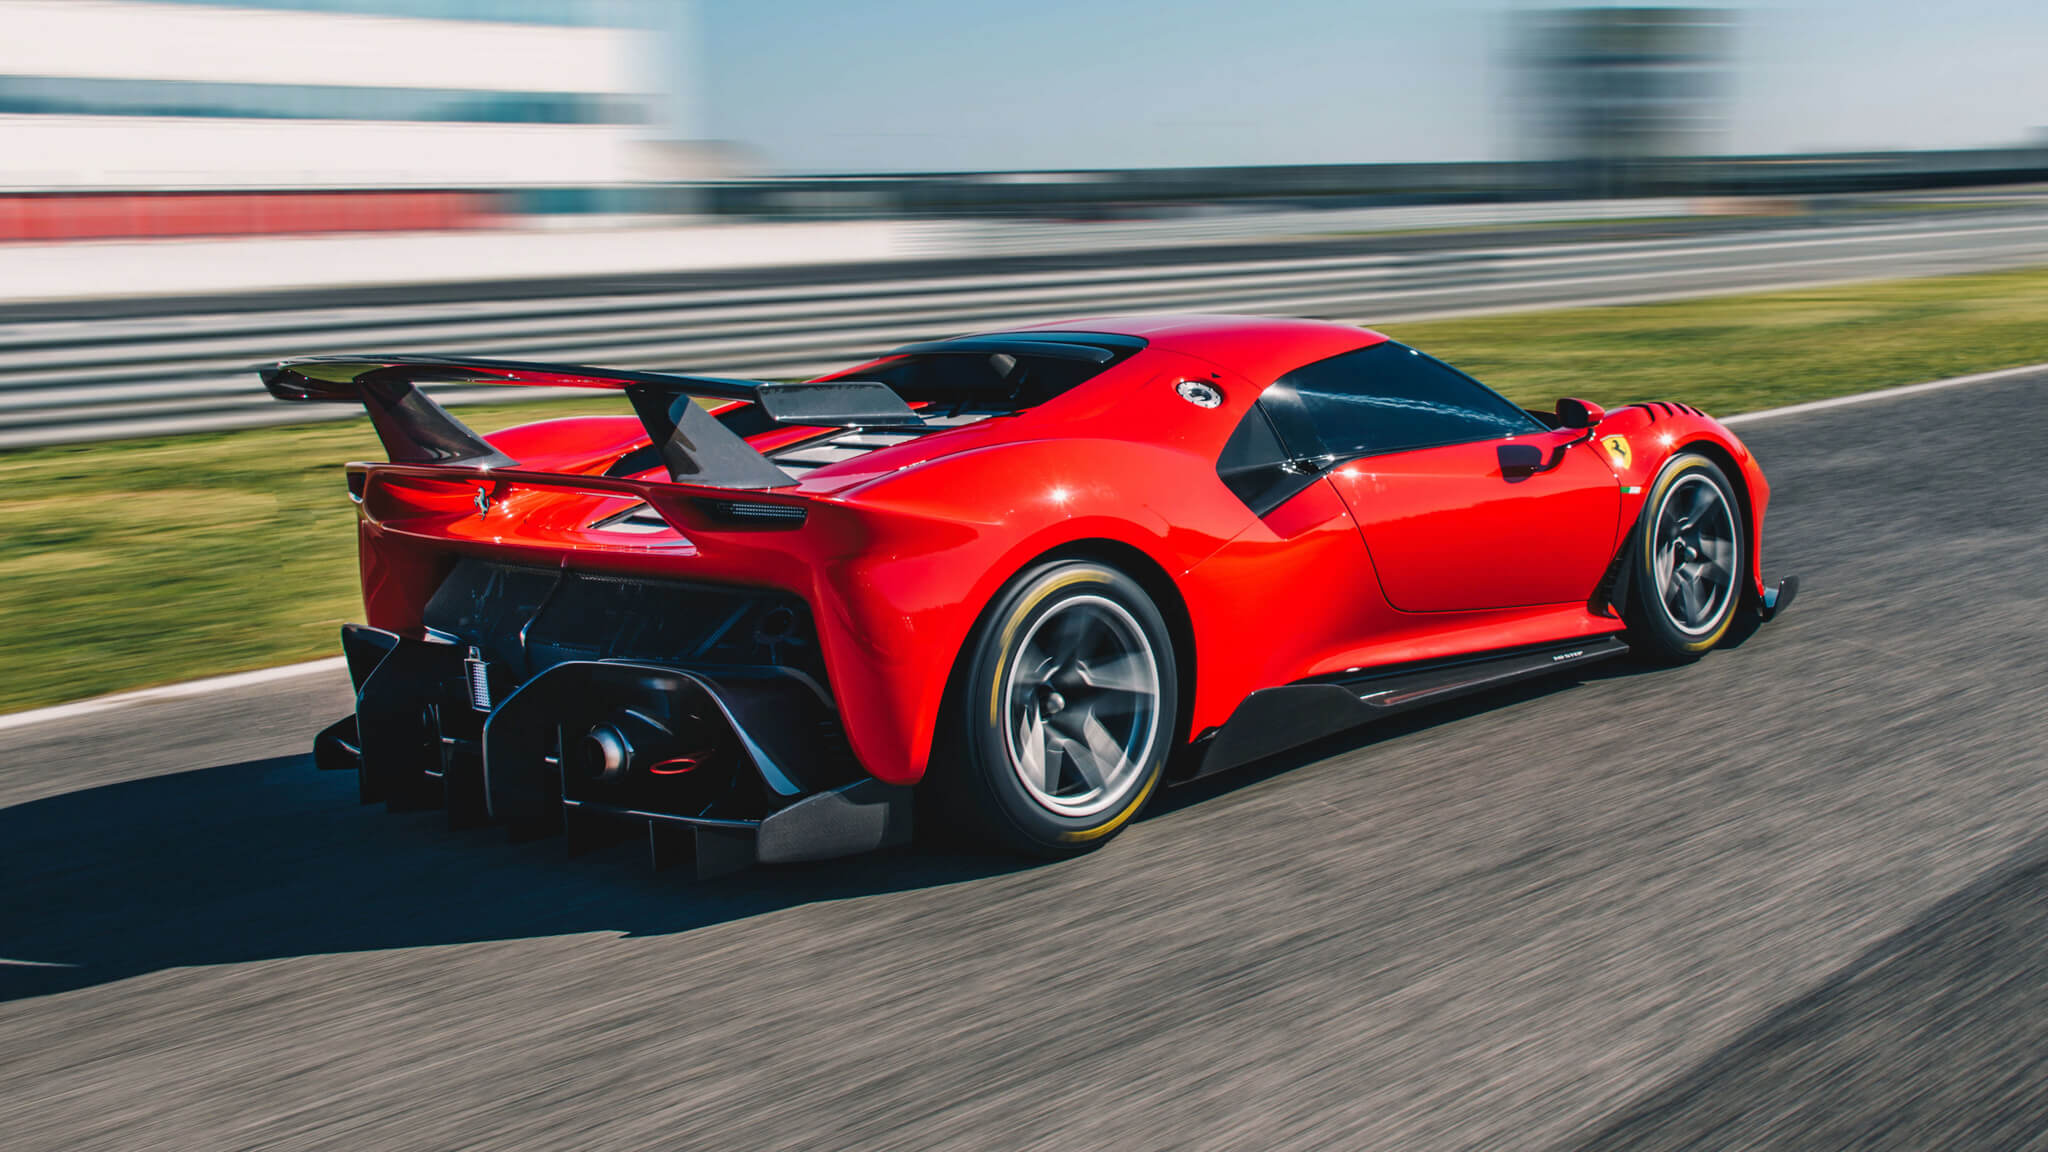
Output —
(558, 701)
(552, 700)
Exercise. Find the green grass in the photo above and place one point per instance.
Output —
(1737, 353)
(149, 561)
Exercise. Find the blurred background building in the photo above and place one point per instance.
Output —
(532, 177)
(151, 118)
(166, 117)
(1613, 91)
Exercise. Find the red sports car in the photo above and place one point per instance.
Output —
(1019, 578)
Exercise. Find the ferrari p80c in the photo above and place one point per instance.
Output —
(1006, 583)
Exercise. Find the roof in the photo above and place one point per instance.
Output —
(1260, 347)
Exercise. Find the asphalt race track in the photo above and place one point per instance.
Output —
(1794, 896)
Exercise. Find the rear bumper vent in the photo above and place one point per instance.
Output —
(478, 674)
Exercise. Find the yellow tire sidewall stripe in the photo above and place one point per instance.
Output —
(1664, 483)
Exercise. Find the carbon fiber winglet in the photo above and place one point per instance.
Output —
(1777, 599)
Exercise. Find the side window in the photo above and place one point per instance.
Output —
(1388, 398)
(1255, 467)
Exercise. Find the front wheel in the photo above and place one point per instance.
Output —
(1688, 554)
(1066, 712)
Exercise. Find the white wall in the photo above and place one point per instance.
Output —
(134, 152)
(111, 39)
(104, 269)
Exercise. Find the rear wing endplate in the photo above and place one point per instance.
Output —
(694, 446)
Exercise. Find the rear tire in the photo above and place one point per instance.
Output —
(1064, 716)
(1689, 554)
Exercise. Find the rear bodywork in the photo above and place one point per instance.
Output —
(762, 592)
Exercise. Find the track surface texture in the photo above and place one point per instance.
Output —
(1794, 896)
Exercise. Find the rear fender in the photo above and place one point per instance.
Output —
(927, 550)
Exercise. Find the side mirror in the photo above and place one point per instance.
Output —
(1575, 413)
(1520, 461)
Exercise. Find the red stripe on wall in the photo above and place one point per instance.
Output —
(111, 216)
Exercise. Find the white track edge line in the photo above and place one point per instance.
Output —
(1883, 394)
(172, 692)
(336, 663)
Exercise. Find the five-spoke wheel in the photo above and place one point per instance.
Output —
(1065, 711)
(1695, 553)
(1081, 705)
(1689, 561)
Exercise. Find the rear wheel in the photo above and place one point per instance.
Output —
(1688, 555)
(1066, 713)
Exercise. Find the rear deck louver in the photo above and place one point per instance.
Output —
(757, 512)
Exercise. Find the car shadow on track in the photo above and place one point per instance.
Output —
(269, 859)
(1402, 724)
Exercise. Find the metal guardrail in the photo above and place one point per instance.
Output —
(1108, 194)
(1014, 237)
(66, 382)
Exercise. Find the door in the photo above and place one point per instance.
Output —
(1412, 447)
(1293, 593)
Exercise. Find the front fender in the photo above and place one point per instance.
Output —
(1641, 438)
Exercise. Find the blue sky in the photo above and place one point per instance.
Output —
(810, 85)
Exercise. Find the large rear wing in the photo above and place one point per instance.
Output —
(694, 445)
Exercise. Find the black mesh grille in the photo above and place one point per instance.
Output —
(525, 620)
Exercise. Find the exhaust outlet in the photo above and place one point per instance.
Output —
(604, 753)
(748, 755)
(620, 745)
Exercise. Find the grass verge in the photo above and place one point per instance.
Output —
(150, 561)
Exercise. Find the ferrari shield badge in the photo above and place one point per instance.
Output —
(1617, 450)
(1200, 393)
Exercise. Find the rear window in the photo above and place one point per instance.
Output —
(1008, 380)
(957, 381)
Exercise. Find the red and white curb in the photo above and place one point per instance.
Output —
(336, 664)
